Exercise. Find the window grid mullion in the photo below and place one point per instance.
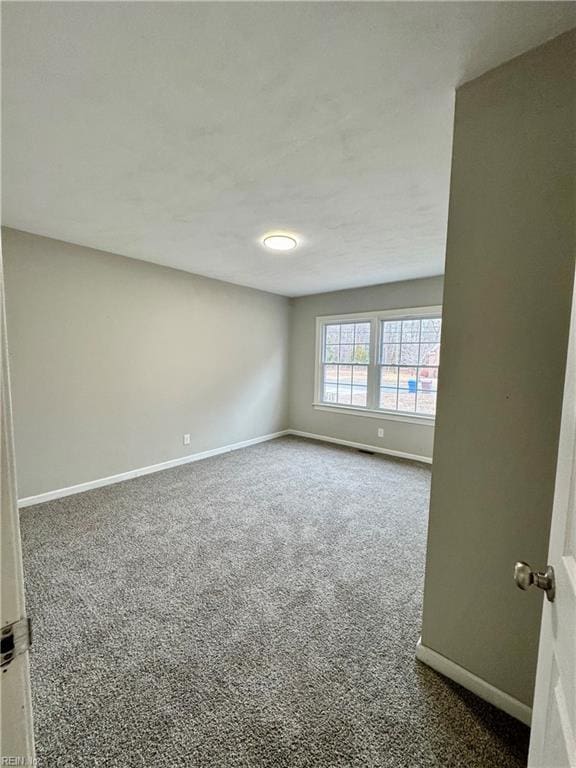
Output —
(399, 366)
(373, 369)
(418, 366)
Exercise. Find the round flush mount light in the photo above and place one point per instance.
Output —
(278, 242)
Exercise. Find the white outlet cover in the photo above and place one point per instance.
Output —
(186, 439)
(380, 432)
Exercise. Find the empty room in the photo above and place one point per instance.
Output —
(288, 384)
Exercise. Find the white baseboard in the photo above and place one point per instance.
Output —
(28, 501)
(475, 684)
(59, 493)
(361, 446)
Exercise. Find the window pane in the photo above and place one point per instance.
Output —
(346, 353)
(429, 354)
(331, 373)
(360, 385)
(389, 399)
(361, 353)
(388, 387)
(391, 354)
(347, 333)
(391, 331)
(332, 334)
(330, 384)
(431, 329)
(406, 401)
(389, 376)
(409, 354)
(345, 374)
(345, 384)
(344, 394)
(362, 333)
(410, 331)
(408, 378)
(360, 375)
(427, 379)
(426, 403)
(408, 382)
(331, 353)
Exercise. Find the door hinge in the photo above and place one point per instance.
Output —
(15, 638)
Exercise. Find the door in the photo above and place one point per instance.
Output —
(17, 739)
(553, 740)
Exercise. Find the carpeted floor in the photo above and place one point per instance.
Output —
(260, 608)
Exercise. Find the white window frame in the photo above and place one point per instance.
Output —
(374, 318)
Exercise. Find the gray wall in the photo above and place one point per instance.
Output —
(415, 439)
(114, 359)
(509, 271)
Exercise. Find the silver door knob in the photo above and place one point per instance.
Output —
(525, 577)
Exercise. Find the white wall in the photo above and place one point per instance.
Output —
(507, 296)
(411, 438)
(114, 359)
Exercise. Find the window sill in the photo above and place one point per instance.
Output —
(350, 410)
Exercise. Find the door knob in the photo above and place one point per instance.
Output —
(525, 577)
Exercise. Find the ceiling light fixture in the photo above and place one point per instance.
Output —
(280, 242)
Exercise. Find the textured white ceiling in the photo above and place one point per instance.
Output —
(180, 133)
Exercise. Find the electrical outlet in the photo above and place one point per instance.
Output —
(186, 439)
(380, 432)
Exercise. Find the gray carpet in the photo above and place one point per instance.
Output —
(260, 608)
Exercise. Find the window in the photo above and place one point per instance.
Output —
(346, 355)
(382, 362)
(409, 360)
